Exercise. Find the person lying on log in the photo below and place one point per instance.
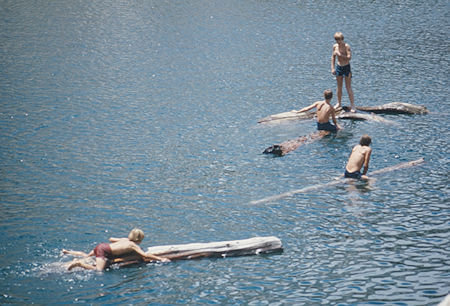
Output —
(359, 157)
(105, 253)
(324, 111)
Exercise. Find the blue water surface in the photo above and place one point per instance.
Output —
(125, 114)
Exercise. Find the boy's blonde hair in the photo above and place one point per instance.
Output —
(338, 35)
(136, 235)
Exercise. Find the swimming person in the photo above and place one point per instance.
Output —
(105, 252)
(324, 112)
(342, 70)
(359, 157)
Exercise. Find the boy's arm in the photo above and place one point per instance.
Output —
(333, 117)
(366, 161)
(305, 109)
(148, 255)
(349, 52)
(333, 60)
(112, 239)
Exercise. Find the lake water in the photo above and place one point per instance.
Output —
(125, 114)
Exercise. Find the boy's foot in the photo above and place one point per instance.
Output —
(353, 110)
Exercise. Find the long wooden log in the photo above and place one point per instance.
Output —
(395, 108)
(389, 108)
(290, 145)
(338, 180)
(363, 116)
(221, 249)
(252, 246)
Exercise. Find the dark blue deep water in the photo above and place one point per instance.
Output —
(122, 114)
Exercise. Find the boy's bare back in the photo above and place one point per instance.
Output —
(360, 156)
(324, 111)
(123, 246)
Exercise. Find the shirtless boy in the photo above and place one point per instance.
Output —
(106, 252)
(359, 157)
(342, 70)
(324, 112)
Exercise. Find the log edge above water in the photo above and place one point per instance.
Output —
(251, 246)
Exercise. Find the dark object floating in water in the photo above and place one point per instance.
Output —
(290, 145)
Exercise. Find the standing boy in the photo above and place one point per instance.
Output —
(324, 112)
(359, 157)
(342, 70)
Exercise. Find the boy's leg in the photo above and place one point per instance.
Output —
(75, 253)
(339, 81)
(348, 86)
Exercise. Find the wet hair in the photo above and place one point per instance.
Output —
(136, 235)
(365, 140)
(338, 35)
(328, 94)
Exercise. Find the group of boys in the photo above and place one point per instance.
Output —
(105, 253)
(360, 155)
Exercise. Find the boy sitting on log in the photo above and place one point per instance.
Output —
(324, 112)
(105, 253)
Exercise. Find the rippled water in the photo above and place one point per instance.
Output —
(116, 115)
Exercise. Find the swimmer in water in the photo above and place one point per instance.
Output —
(105, 252)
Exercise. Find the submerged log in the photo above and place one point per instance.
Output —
(252, 246)
(395, 108)
(290, 145)
(336, 181)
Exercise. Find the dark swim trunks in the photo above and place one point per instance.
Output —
(343, 70)
(103, 250)
(327, 126)
(355, 175)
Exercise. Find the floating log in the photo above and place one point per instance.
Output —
(290, 145)
(338, 180)
(342, 113)
(252, 246)
(292, 115)
(395, 108)
(221, 249)
(345, 115)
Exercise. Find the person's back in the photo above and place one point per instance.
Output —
(122, 246)
(324, 110)
(359, 157)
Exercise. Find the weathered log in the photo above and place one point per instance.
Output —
(252, 246)
(290, 145)
(362, 116)
(395, 108)
(342, 113)
(221, 249)
(292, 115)
(336, 181)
